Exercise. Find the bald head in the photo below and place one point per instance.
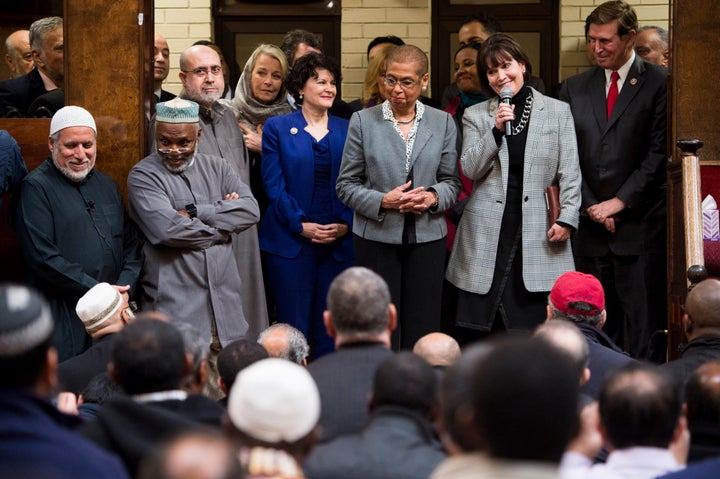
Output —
(437, 349)
(566, 337)
(702, 309)
(18, 53)
(283, 341)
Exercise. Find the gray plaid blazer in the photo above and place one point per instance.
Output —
(551, 157)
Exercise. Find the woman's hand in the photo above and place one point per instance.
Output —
(253, 139)
(324, 234)
(557, 233)
(417, 201)
(504, 113)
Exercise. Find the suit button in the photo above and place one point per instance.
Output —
(526, 198)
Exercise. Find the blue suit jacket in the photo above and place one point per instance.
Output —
(288, 172)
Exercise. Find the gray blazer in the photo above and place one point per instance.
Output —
(374, 163)
(551, 157)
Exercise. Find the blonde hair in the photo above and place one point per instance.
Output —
(376, 69)
(271, 51)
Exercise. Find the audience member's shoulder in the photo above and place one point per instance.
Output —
(700, 470)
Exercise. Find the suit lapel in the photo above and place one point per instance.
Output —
(422, 136)
(537, 120)
(599, 97)
(631, 87)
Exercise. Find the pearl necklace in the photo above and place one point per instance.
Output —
(525, 115)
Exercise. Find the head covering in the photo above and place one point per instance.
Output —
(248, 109)
(274, 400)
(177, 110)
(573, 287)
(98, 305)
(25, 320)
(69, 116)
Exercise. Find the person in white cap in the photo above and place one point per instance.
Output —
(188, 205)
(73, 229)
(273, 412)
(104, 312)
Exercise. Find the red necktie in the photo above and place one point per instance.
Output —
(612, 92)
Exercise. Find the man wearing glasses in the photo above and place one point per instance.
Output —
(188, 205)
(202, 78)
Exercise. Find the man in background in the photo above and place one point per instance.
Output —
(18, 54)
(652, 44)
(161, 68)
(46, 41)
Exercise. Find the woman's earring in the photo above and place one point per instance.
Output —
(424, 88)
(301, 96)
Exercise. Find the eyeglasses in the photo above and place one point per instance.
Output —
(179, 151)
(404, 84)
(203, 72)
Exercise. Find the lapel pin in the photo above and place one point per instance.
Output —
(293, 131)
(633, 81)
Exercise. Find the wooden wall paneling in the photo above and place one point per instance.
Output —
(108, 55)
(695, 43)
(691, 115)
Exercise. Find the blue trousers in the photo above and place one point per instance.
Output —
(300, 287)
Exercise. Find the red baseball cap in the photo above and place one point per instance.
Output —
(573, 287)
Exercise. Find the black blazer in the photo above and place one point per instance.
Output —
(623, 156)
(17, 94)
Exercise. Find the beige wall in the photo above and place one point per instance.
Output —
(185, 21)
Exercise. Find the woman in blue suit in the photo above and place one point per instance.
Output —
(305, 229)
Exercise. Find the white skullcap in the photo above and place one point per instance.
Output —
(69, 116)
(274, 400)
(98, 305)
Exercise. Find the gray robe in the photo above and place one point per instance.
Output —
(223, 137)
(189, 272)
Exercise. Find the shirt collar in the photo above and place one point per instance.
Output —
(623, 71)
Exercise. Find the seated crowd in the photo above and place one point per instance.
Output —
(289, 294)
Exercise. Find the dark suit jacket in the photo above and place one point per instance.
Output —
(75, 373)
(398, 443)
(17, 94)
(605, 357)
(701, 470)
(289, 178)
(344, 379)
(623, 156)
(692, 355)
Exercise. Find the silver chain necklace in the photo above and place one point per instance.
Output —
(525, 115)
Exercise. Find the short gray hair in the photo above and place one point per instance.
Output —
(662, 33)
(359, 301)
(42, 27)
(591, 319)
(297, 346)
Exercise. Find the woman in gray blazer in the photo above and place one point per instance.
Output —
(399, 174)
(507, 255)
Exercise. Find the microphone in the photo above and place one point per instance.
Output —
(506, 95)
(91, 205)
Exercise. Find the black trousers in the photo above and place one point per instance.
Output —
(635, 297)
(414, 273)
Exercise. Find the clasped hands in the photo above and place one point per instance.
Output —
(415, 201)
(605, 211)
(229, 196)
(324, 234)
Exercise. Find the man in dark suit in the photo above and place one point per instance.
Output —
(619, 107)
(46, 41)
(361, 318)
(161, 68)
